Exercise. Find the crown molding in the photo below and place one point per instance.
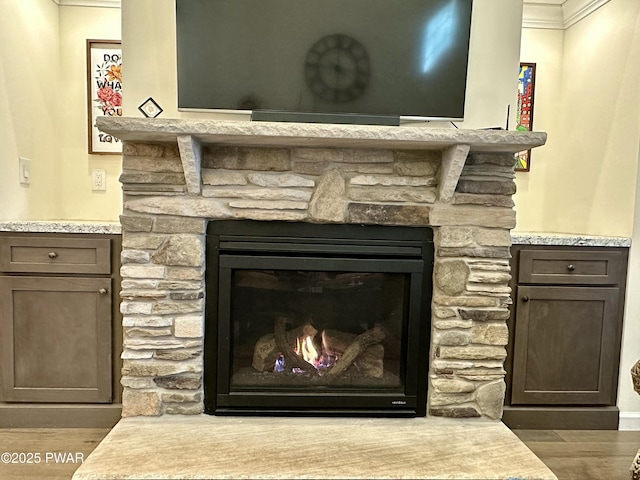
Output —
(557, 14)
(575, 10)
(542, 15)
(88, 3)
(549, 14)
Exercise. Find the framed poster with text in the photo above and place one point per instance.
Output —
(104, 92)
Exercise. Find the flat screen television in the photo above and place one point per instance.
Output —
(342, 58)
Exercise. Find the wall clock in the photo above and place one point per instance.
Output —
(337, 68)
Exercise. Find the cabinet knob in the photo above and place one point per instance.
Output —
(571, 267)
(103, 291)
(525, 299)
(53, 254)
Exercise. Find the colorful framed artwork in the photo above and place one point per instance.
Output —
(104, 92)
(524, 113)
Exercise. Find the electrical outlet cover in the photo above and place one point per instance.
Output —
(98, 179)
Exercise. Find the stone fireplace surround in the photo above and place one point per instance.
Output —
(180, 174)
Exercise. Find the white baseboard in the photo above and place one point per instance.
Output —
(629, 421)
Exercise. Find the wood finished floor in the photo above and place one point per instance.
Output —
(584, 454)
(570, 454)
(43, 441)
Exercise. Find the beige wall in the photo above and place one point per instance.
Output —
(43, 112)
(30, 102)
(493, 56)
(149, 58)
(587, 99)
(78, 201)
(628, 399)
(600, 122)
(534, 206)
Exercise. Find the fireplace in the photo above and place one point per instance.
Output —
(181, 176)
(317, 319)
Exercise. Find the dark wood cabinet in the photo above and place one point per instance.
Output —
(60, 330)
(57, 348)
(565, 334)
(563, 352)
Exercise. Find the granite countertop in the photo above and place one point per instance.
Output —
(60, 226)
(114, 228)
(570, 240)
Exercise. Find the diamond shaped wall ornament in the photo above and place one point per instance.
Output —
(150, 108)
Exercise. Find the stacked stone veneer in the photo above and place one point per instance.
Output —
(167, 207)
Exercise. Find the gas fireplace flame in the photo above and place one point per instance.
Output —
(279, 366)
(322, 358)
(307, 350)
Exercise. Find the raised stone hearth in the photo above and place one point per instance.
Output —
(210, 447)
(180, 174)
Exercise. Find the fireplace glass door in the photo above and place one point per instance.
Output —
(313, 324)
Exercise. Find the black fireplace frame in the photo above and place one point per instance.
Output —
(237, 244)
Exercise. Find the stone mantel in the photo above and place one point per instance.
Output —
(180, 174)
(192, 134)
(276, 134)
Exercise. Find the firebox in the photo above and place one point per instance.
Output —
(313, 319)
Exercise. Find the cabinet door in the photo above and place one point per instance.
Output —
(55, 339)
(565, 345)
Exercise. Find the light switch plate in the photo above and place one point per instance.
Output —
(24, 172)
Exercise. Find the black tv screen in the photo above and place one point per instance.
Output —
(374, 57)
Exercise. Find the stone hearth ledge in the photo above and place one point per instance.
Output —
(206, 447)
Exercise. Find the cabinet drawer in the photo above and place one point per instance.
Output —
(55, 255)
(571, 267)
